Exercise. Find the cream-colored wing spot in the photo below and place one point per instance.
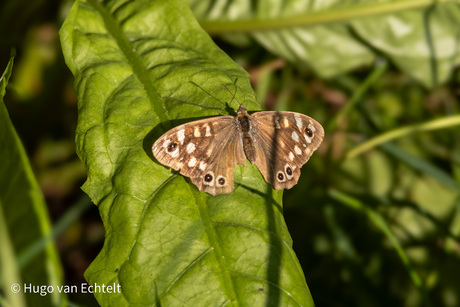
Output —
(181, 136)
(208, 130)
(190, 147)
(285, 122)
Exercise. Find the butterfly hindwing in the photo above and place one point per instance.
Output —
(207, 151)
(283, 142)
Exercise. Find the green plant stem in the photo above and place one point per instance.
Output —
(381, 224)
(316, 18)
(422, 166)
(441, 123)
(64, 223)
(363, 88)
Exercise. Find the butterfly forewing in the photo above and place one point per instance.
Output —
(207, 151)
(284, 141)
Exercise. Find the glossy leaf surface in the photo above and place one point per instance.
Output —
(142, 67)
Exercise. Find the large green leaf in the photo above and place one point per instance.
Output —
(140, 68)
(24, 222)
(332, 37)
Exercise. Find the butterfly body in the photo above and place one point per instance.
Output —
(207, 150)
(244, 120)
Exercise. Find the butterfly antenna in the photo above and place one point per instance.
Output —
(231, 93)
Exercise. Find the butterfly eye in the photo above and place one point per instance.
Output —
(288, 171)
(221, 181)
(208, 178)
(171, 147)
(309, 132)
(280, 176)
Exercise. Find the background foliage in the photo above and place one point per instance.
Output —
(374, 223)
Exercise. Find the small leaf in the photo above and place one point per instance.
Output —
(142, 67)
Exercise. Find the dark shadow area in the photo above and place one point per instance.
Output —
(270, 200)
(276, 247)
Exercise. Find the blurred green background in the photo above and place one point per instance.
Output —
(371, 227)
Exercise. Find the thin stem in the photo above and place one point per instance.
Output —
(441, 123)
(316, 18)
(358, 94)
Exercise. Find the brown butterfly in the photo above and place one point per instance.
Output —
(207, 150)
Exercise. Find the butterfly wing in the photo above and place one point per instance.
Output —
(283, 143)
(206, 151)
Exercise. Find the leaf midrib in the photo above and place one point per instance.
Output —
(214, 242)
(139, 69)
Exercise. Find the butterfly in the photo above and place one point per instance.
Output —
(207, 151)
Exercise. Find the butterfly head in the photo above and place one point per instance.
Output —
(242, 110)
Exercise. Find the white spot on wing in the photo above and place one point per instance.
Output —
(282, 144)
(175, 153)
(291, 156)
(312, 128)
(285, 122)
(190, 148)
(166, 143)
(208, 130)
(297, 150)
(196, 132)
(181, 136)
(295, 136)
(298, 121)
(192, 162)
(202, 166)
(307, 138)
